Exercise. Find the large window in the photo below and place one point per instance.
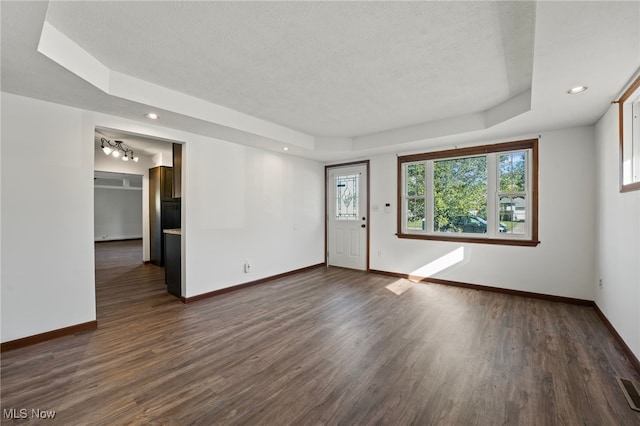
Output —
(484, 194)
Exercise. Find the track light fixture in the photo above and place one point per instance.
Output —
(116, 149)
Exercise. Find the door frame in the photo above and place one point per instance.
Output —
(327, 168)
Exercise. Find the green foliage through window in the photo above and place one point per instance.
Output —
(460, 188)
(513, 172)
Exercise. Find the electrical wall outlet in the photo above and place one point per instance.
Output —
(600, 282)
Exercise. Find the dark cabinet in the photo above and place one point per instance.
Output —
(172, 267)
(161, 182)
(177, 171)
(164, 211)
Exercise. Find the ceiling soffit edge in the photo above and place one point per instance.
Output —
(64, 51)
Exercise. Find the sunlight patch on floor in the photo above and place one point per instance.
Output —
(399, 286)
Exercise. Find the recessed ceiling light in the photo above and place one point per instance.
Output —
(152, 116)
(285, 149)
(577, 89)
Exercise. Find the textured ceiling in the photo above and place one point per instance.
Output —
(330, 80)
(324, 68)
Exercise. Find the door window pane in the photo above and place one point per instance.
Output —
(347, 197)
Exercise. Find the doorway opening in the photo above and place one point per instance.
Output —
(126, 242)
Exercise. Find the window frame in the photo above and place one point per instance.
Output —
(492, 186)
(625, 128)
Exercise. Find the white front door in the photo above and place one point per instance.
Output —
(347, 219)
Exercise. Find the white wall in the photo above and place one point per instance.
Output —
(105, 163)
(254, 205)
(562, 264)
(618, 238)
(47, 218)
(117, 213)
(238, 203)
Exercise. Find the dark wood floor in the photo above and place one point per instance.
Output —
(327, 346)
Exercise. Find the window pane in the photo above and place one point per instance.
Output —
(513, 172)
(513, 215)
(347, 197)
(460, 195)
(415, 213)
(415, 179)
(635, 151)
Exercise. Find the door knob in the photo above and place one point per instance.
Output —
(364, 218)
